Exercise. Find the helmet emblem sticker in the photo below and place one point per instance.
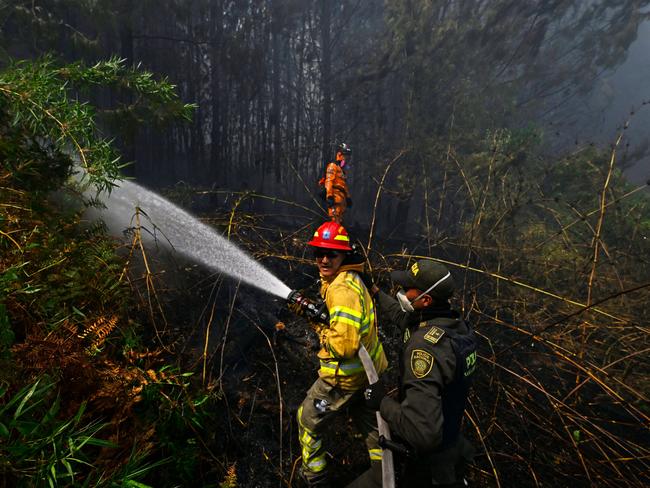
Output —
(415, 269)
(326, 234)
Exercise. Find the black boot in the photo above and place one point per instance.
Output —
(372, 478)
(314, 480)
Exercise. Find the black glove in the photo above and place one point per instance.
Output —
(348, 202)
(367, 280)
(330, 201)
(374, 394)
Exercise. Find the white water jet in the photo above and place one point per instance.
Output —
(185, 233)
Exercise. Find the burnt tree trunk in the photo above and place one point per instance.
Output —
(216, 134)
(326, 71)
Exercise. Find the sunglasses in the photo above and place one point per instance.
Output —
(321, 253)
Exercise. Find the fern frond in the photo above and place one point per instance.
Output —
(99, 331)
(230, 481)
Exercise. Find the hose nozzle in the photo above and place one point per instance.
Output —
(309, 308)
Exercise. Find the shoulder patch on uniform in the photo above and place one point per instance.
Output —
(421, 363)
(434, 335)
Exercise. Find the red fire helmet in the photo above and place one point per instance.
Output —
(331, 235)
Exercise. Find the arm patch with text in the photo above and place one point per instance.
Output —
(421, 363)
(434, 335)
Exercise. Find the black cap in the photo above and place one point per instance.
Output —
(423, 274)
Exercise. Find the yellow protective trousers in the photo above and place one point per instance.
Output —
(315, 415)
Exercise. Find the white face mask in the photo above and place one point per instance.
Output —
(407, 305)
(404, 303)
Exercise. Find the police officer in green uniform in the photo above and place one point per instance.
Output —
(437, 362)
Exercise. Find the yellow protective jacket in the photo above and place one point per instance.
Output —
(352, 322)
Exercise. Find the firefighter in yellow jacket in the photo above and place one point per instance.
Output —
(342, 378)
(337, 194)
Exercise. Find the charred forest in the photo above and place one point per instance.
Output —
(126, 362)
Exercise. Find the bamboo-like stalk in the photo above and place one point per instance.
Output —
(232, 212)
(477, 429)
(476, 221)
(426, 208)
(588, 370)
(252, 194)
(508, 280)
(225, 336)
(151, 288)
(597, 430)
(601, 218)
(6, 234)
(597, 244)
(206, 343)
(566, 227)
(279, 388)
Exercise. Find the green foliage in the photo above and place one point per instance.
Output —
(182, 416)
(136, 468)
(55, 271)
(41, 108)
(42, 447)
(60, 272)
(38, 447)
(6, 333)
(61, 281)
(534, 219)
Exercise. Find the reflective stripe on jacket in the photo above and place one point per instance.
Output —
(352, 321)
